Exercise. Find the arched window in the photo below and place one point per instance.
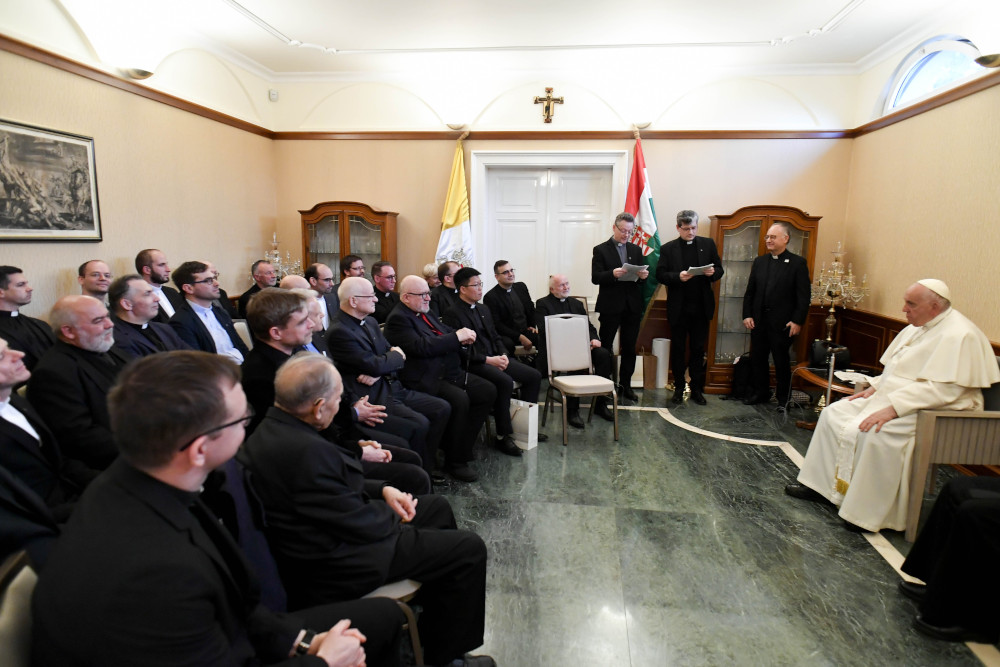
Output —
(935, 65)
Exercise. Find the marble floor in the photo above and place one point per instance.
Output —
(678, 546)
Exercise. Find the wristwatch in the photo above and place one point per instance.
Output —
(302, 647)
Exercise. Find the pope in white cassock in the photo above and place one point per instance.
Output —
(860, 454)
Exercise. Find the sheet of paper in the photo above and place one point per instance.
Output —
(851, 376)
(632, 271)
(698, 270)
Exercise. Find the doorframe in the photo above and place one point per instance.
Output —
(483, 161)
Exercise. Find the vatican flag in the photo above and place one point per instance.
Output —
(456, 228)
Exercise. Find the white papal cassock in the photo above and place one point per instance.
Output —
(942, 365)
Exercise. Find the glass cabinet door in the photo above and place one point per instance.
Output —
(739, 249)
(324, 242)
(366, 240)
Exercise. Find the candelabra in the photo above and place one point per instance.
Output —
(283, 267)
(837, 287)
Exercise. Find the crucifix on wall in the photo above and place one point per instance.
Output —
(548, 103)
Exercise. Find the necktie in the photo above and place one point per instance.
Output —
(433, 328)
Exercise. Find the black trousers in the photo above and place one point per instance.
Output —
(380, 620)
(470, 405)
(451, 566)
(957, 553)
(435, 410)
(503, 382)
(689, 331)
(405, 471)
(628, 322)
(770, 337)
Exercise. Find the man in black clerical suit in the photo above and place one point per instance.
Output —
(70, 384)
(27, 334)
(956, 556)
(384, 277)
(488, 357)
(512, 308)
(445, 295)
(145, 574)
(280, 323)
(435, 365)
(264, 276)
(27, 447)
(775, 306)
(135, 307)
(619, 302)
(559, 302)
(690, 301)
(336, 535)
(152, 266)
(360, 350)
(200, 322)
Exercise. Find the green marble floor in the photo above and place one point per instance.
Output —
(673, 547)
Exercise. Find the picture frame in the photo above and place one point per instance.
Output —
(48, 185)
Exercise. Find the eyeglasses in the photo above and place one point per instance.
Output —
(245, 420)
(474, 285)
(508, 272)
(366, 296)
(326, 280)
(392, 277)
(624, 231)
(419, 295)
(206, 281)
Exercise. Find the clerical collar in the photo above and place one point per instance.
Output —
(472, 306)
(360, 322)
(140, 327)
(13, 313)
(562, 300)
(388, 293)
(619, 244)
(689, 242)
(509, 289)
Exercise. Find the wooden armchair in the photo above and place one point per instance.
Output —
(946, 436)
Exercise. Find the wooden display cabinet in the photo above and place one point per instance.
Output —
(740, 239)
(334, 229)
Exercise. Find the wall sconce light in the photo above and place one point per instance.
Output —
(136, 73)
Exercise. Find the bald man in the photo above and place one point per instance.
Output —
(70, 384)
(860, 454)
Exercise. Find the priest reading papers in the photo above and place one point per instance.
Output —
(860, 454)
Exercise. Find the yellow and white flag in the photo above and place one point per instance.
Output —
(456, 228)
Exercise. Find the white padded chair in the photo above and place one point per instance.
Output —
(567, 342)
(17, 581)
(244, 331)
(402, 592)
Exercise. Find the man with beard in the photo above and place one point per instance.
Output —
(70, 384)
(320, 277)
(200, 321)
(152, 265)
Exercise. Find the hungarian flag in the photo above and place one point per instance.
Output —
(455, 244)
(639, 202)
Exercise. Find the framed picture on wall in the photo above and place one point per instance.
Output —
(48, 185)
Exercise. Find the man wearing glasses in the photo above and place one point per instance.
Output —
(619, 300)
(320, 277)
(384, 277)
(512, 308)
(200, 322)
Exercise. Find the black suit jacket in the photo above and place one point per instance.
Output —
(668, 272)
(480, 320)
(26, 334)
(175, 299)
(443, 298)
(787, 300)
(137, 580)
(40, 465)
(323, 527)
(241, 305)
(613, 295)
(430, 358)
(258, 371)
(69, 389)
(550, 305)
(27, 522)
(386, 302)
(356, 354)
(192, 331)
(133, 344)
(496, 300)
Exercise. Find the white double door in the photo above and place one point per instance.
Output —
(546, 220)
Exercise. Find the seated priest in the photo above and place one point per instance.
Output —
(336, 535)
(27, 334)
(559, 302)
(135, 307)
(488, 357)
(144, 572)
(860, 454)
(513, 310)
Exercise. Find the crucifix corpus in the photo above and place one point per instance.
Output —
(547, 103)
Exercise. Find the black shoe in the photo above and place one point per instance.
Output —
(954, 633)
(474, 661)
(462, 472)
(573, 419)
(678, 396)
(438, 477)
(604, 412)
(508, 446)
(698, 397)
(629, 393)
(756, 399)
(542, 437)
(912, 590)
(802, 492)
